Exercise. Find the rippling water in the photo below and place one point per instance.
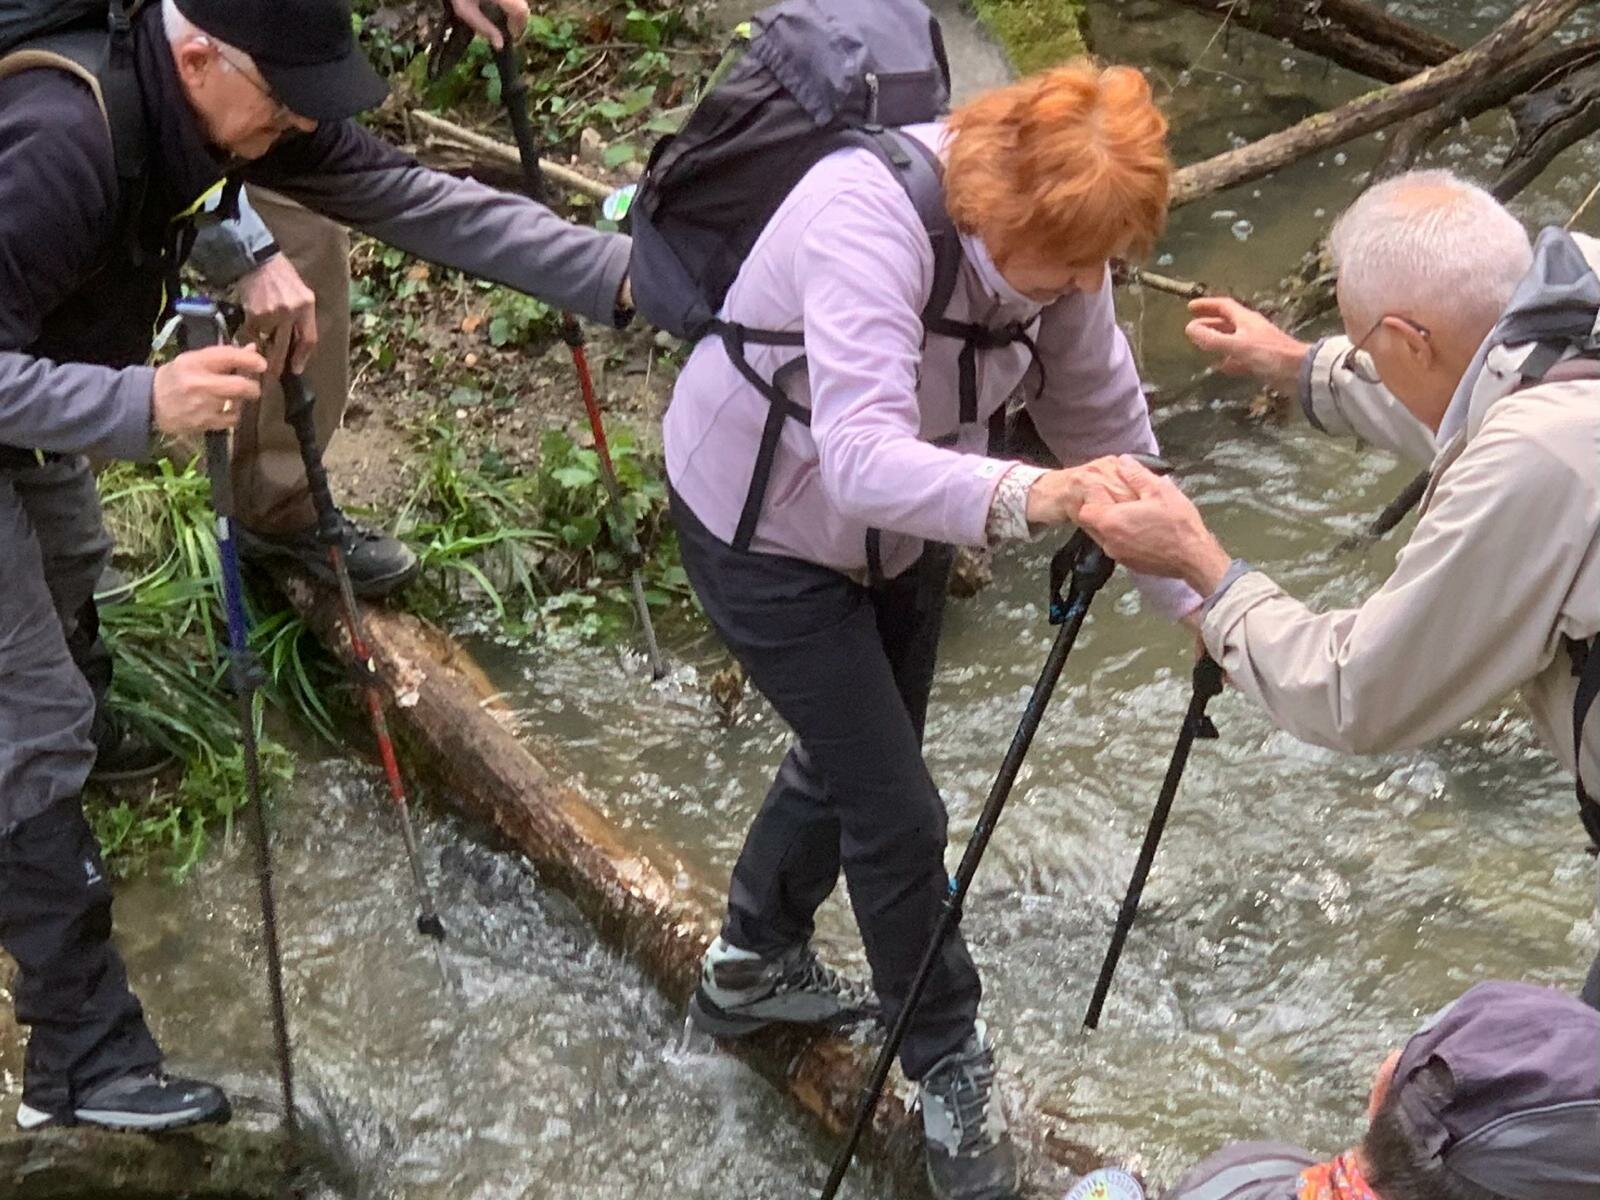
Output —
(1306, 909)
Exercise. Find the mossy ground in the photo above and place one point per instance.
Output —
(1035, 33)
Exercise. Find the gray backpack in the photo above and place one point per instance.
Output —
(814, 76)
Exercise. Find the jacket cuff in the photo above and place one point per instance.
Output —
(1237, 570)
(1248, 590)
(603, 306)
(1172, 598)
(134, 396)
(1317, 395)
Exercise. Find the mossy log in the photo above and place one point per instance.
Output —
(244, 1160)
(457, 729)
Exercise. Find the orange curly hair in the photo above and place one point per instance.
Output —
(1071, 162)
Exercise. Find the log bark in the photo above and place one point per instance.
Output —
(457, 729)
(504, 156)
(1414, 136)
(1517, 36)
(1354, 35)
(1548, 122)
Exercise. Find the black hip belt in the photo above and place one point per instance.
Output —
(15, 458)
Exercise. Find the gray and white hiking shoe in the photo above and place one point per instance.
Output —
(970, 1155)
(741, 992)
(147, 1102)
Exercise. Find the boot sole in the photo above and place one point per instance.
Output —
(719, 1023)
(33, 1120)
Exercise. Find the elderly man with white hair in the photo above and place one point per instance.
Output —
(1468, 350)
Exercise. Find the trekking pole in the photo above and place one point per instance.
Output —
(300, 411)
(1085, 566)
(202, 326)
(1397, 510)
(514, 94)
(1207, 684)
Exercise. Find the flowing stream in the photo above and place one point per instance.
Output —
(1305, 912)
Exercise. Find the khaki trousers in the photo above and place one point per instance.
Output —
(269, 478)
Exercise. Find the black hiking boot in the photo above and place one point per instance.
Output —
(147, 1102)
(741, 992)
(970, 1155)
(379, 564)
(123, 755)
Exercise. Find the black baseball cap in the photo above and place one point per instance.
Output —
(304, 49)
(1503, 1089)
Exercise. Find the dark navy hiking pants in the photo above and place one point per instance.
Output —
(55, 903)
(849, 669)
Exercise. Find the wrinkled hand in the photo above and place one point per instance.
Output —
(1158, 532)
(280, 313)
(204, 391)
(471, 14)
(1057, 496)
(1247, 342)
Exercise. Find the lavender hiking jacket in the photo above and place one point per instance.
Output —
(847, 260)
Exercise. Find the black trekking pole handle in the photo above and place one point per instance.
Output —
(1208, 680)
(514, 95)
(1077, 572)
(203, 327)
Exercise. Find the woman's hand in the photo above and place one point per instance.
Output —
(471, 14)
(1057, 496)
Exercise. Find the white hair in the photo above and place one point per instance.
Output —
(1430, 246)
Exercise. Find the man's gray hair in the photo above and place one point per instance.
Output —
(1430, 246)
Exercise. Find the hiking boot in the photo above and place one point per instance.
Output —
(970, 1155)
(147, 1102)
(379, 564)
(741, 992)
(123, 755)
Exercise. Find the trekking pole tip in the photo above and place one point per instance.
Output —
(429, 925)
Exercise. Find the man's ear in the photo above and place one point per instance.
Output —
(194, 59)
(1419, 347)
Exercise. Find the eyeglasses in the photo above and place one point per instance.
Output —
(282, 114)
(1419, 330)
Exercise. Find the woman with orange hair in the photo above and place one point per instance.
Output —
(827, 576)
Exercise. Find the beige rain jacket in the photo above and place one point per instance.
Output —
(1502, 567)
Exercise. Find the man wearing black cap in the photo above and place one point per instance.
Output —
(221, 90)
(1496, 1098)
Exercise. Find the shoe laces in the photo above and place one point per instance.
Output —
(808, 973)
(354, 533)
(968, 1090)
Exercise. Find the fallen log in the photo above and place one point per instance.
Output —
(461, 734)
(505, 156)
(1354, 35)
(1547, 123)
(1518, 35)
(1415, 135)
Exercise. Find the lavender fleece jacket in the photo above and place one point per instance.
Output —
(847, 260)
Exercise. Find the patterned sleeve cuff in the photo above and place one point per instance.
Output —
(1008, 511)
(1237, 570)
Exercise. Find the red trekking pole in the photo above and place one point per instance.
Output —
(515, 94)
(299, 408)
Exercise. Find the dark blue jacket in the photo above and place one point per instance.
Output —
(79, 298)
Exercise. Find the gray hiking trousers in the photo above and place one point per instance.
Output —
(71, 989)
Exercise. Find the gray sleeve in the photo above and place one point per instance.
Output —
(91, 410)
(345, 173)
(226, 251)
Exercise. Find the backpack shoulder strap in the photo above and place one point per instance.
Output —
(919, 171)
(1586, 666)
